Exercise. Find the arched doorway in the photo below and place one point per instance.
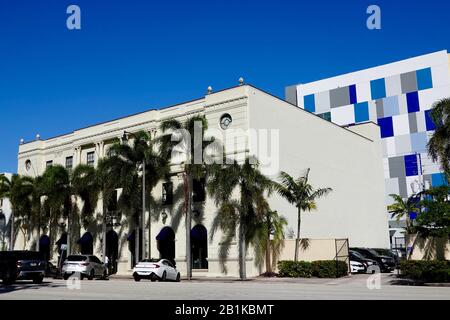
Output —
(86, 243)
(44, 247)
(199, 247)
(112, 250)
(165, 241)
(132, 247)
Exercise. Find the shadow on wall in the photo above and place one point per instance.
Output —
(431, 248)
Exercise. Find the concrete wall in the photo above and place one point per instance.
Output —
(429, 249)
(348, 161)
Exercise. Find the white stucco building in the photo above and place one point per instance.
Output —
(345, 159)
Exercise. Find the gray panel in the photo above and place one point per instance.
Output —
(397, 167)
(402, 187)
(291, 94)
(412, 122)
(409, 82)
(427, 180)
(379, 107)
(339, 97)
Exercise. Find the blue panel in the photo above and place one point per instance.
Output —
(424, 79)
(352, 93)
(310, 103)
(413, 215)
(378, 89)
(386, 127)
(412, 99)
(411, 168)
(438, 179)
(361, 112)
(429, 122)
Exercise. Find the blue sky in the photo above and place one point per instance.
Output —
(134, 55)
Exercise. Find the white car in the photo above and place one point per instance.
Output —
(357, 267)
(84, 266)
(156, 269)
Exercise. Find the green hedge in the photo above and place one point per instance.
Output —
(320, 269)
(426, 270)
(292, 269)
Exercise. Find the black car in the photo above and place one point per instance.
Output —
(370, 266)
(386, 263)
(21, 265)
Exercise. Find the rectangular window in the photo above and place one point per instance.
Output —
(90, 159)
(167, 193)
(199, 193)
(49, 163)
(69, 163)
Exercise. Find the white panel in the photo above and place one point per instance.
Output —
(420, 117)
(401, 124)
(440, 75)
(373, 111)
(426, 99)
(300, 95)
(393, 86)
(386, 168)
(343, 115)
(402, 104)
(363, 91)
(403, 144)
(322, 102)
(390, 146)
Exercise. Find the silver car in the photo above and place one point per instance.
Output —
(88, 266)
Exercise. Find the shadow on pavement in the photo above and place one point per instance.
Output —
(25, 285)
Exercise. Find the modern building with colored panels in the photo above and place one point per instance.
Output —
(398, 97)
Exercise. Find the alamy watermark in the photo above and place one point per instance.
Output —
(73, 21)
(374, 20)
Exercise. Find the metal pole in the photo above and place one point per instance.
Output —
(143, 208)
(188, 227)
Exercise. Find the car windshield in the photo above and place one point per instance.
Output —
(357, 254)
(76, 258)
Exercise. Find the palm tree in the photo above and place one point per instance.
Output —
(56, 188)
(401, 208)
(439, 144)
(244, 211)
(191, 147)
(121, 169)
(18, 191)
(269, 242)
(85, 185)
(300, 193)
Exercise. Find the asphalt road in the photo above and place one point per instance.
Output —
(354, 287)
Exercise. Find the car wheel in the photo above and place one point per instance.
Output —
(137, 278)
(65, 276)
(178, 277)
(91, 275)
(164, 276)
(38, 279)
(105, 275)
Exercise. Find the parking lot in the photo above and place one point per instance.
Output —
(352, 287)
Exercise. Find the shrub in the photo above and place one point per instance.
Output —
(329, 269)
(426, 270)
(293, 269)
(320, 269)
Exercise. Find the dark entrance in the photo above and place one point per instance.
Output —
(132, 247)
(166, 244)
(86, 243)
(112, 250)
(44, 247)
(199, 247)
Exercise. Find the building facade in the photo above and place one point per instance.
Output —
(282, 136)
(398, 97)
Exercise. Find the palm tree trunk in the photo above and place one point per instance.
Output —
(188, 227)
(268, 264)
(104, 230)
(297, 241)
(136, 241)
(242, 251)
(11, 237)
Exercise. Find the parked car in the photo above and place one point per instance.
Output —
(388, 253)
(386, 264)
(21, 265)
(361, 264)
(88, 266)
(156, 269)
